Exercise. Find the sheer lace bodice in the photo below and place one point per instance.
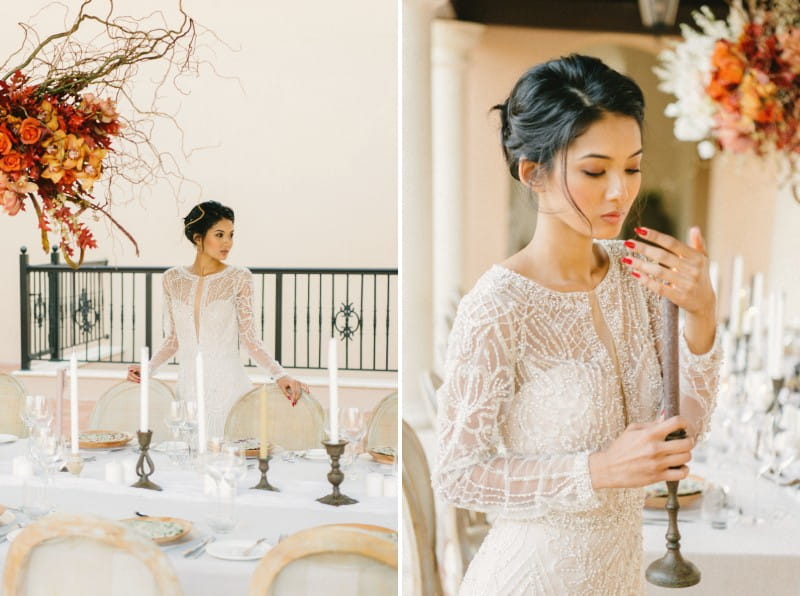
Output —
(225, 318)
(535, 381)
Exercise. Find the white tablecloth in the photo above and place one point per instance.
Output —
(745, 559)
(260, 513)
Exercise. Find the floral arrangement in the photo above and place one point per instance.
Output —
(57, 138)
(737, 80)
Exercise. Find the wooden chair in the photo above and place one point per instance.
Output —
(419, 517)
(12, 402)
(382, 427)
(298, 427)
(346, 560)
(118, 409)
(76, 555)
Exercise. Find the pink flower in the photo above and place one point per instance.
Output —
(12, 202)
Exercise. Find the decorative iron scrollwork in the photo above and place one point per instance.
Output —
(342, 321)
(86, 315)
(39, 309)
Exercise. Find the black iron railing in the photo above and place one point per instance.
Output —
(98, 310)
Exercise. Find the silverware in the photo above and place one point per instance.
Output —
(198, 550)
(249, 550)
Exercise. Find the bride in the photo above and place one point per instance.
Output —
(210, 307)
(549, 413)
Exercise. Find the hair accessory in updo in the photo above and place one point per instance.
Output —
(196, 219)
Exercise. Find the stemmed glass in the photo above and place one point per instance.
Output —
(353, 427)
(175, 420)
(47, 451)
(37, 413)
(225, 462)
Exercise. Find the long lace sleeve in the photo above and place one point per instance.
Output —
(247, 328)
(475, 471)
(170, 343)
(699, 373)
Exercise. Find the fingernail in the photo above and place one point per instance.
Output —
(627, 260)
(630, 244)
(640, 231)
(636, 274)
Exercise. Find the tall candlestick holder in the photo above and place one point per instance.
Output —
(335, 476)
(263, 466)
(672, 570)
(145, 466)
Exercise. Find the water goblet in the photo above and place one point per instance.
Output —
(353, 427)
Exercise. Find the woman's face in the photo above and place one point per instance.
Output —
(603, 177)
(218, 240)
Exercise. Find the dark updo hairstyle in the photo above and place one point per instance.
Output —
(555, 102)
(203, 216)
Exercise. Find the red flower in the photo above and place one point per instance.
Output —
(6, 141)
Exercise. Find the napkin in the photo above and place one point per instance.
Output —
(6, 517)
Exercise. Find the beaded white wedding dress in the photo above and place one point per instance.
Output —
(536, 380)
(223, 302)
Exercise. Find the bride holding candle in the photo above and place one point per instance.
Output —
(210, 309)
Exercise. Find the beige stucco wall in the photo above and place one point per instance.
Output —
(303, 145)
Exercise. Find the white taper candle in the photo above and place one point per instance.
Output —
(144, 396)
(201, 404)
(333, 390)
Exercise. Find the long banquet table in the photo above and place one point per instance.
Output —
(261, 513)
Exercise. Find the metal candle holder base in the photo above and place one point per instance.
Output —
(335, 476)
(74, 464)
(145, 466)
(672, 570)
(263, 484)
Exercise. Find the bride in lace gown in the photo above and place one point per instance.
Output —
(549, 413)
(210, 309)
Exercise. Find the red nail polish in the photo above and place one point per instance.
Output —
(627, 260)
(636, 274)
(630, 244)
(640, 231)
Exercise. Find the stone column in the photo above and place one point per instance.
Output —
(452, 42)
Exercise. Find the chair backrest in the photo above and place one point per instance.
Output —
(420, 515)
(118, 409)
(341, 559)
(382, 427)
(298, 427)
(12, 401)
(75, 555)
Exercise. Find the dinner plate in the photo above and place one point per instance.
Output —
(384, 455)
(6, 517)
(233, 550)
(169, 446)
(103, 439)
(689, 490)
(252, 447)
(162, 530)
(8, 438)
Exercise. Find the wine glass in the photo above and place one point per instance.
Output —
(352, 425)
(225, 463)
(47, 451)
(37, 413)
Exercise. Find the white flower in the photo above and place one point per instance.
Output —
(706, 149)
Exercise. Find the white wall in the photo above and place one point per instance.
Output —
(303, 145)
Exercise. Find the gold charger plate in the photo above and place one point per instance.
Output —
(253, 447)
(103, 439)
(383, 455)
(689, 490)
(161, 530)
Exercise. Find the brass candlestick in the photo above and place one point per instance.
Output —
(672, 570)
(335, 476)
(145, 466)
(263, 466)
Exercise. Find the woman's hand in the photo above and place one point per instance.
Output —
(679, 272)
(641, 456)
(292, 388)
(134, 373)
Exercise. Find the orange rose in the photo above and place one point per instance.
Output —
(30, 131)
(11, 162)
(5, 142)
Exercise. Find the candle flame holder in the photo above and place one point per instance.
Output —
(145, 466)
(263, 484)
(74, 464)
(336, 476)
(672, 570)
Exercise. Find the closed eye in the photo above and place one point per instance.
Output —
(633, 170)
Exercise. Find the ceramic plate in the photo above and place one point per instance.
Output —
(252, 447)
(162, 530)
(689, 490)
(7, 517)
(14, 533)
(384, 455)
(8, 438)
(103, 439)
(233, 550)
(168, 446)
